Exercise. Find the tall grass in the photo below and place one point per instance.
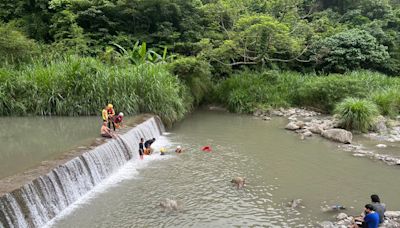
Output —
(356, 114)
(83, 86)
(388, 101)
(245, 91)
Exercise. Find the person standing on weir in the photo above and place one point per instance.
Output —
(141, 148)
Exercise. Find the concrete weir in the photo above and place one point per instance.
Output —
(33, 198)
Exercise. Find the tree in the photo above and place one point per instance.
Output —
(349, 50)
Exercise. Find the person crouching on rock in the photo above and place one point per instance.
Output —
(106, 132)
(147, 145)
(118, 120)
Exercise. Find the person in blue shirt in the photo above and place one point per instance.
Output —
(371, 218)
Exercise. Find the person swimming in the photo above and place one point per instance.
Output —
(162, 151)
(178, 149)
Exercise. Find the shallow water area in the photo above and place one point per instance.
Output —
(27, 141)
(278, 167)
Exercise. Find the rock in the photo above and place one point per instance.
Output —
(392, 214)
(292, 118)
(316, 129)
(338, 135)
(381, 146)
(327, 224)
(169, 204)
(257, 113)
(238, 181)
(276, 113)
(292, 126)
(359, 155)
(300, 124)
(266, 118)
(341, 216)
(295, 203)
(380, 124)
(217, 108)
(307, 133)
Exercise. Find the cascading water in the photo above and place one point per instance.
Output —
(40, 200)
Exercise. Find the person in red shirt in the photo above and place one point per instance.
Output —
(118, 120)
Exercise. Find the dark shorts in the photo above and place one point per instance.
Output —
(140, 152)
(106, 136)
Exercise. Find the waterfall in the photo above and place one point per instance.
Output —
(40, 200)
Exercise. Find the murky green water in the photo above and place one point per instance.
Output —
(278, 166)
(26, 141)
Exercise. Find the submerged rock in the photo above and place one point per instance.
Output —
(170, 204)
(381, 146)
(295, 203)
(338, 135)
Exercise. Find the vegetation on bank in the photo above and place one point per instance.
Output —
(68, 57)
(82, 86)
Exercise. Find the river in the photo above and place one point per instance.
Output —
(277, 165)
(27, 141)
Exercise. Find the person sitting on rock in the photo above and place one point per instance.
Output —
(106, 132)
(370, 220)
(379, 207)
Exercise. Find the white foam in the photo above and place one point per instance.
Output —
(129, 171)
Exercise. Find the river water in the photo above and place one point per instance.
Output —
(27, 141)
(277, 165)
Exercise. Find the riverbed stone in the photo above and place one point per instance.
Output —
(381, 146)
(266, 118)
(338, 135)
(307, 133)
(292, 126)
(392, 214)
(341, 216)
(379, 125)
(315, 128)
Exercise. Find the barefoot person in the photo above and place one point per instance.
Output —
(141, 148)
(110, 116)
(106, 132)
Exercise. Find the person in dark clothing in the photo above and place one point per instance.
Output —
(379, 207)
(141, 148)
(147, 145)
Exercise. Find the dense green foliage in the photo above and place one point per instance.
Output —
(356, 114)
(70, 57)
(249, 90)
(305, 35)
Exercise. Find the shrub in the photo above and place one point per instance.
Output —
(14, 46)
(388, 101)
(356, 114)
(324, 92)
(196, 74)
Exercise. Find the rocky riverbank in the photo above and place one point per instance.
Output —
(308, 123)
(392, 220)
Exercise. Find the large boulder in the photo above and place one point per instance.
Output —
(338, 135)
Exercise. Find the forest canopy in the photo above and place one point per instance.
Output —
(303, 35)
